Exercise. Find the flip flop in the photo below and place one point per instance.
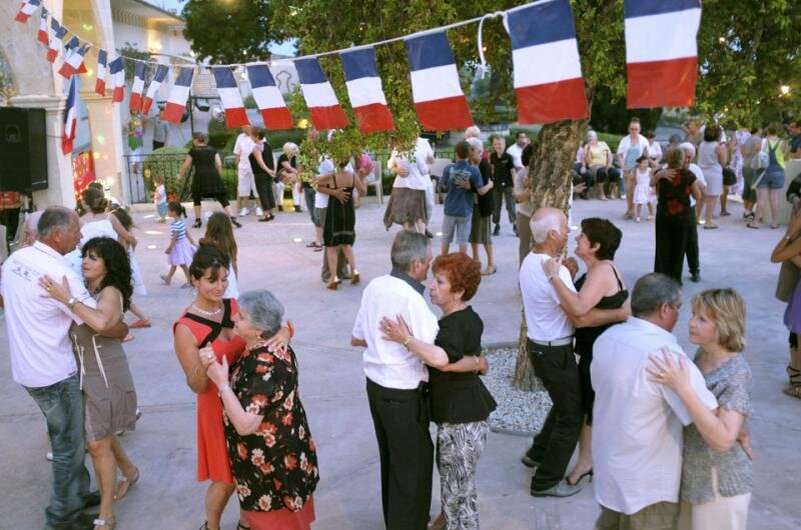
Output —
(311, 245)
(125, 483)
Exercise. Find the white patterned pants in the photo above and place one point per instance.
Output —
(459, 445)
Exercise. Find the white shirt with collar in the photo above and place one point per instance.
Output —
(545, 318)
(326, 166)
(388, 363)
(699, 176)
(637, 425)
(37, 326)
(416, 164)
(243, 147)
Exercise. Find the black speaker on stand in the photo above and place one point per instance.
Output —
(23, 150)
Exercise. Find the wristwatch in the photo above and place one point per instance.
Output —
(71, 302)
(223, 389)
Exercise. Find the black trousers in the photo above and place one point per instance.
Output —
(554, 444)
(693, 262)
(498, 195)
(400, 418)
(264, 185)
(672, 237)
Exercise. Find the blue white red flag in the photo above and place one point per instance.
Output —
(547, 70)
(179, 93)
(70, 118)
(117, 72)
(73, 60)
(26, 10)
(57, 33)
(365, 91)
(438, 98)
(231, 99)
(268, 98)
(41, 35)
(319, 94)
(138, 86)
(100, 81)
(161, 74)
(661, 52)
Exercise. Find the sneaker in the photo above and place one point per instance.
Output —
(259, 211)
(243, 212)
(49, 456)
(562, 489)
(497, 230)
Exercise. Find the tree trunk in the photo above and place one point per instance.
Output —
(550, 175)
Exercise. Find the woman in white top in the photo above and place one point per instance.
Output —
(711, 159)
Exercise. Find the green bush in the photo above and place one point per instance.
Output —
(165, 162)
(278, 138)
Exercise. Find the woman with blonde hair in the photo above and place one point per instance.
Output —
(716, 471)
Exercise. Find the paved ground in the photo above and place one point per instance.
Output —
(332, 382)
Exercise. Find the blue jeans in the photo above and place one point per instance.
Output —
(308, 195)
(62, 406)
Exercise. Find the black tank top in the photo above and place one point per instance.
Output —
(585, 337)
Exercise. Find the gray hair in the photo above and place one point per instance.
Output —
(407, 248)
(592, 135)
(651, 292)
(472, 132)
(543, 224)
(290, 148)
(475, 143)
(54, 219)
(264, 311)
(688, 148)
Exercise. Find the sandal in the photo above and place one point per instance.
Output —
(125, 484)
(141, 323)
(311, 245)
(755, 227)
(491, 269)
(793, 390)
(240, 526)
(104, 524)
(197, 224)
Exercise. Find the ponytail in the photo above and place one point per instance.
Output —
(177, 207)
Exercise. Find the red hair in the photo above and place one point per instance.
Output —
(463, 273)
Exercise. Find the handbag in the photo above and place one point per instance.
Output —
(729, 177)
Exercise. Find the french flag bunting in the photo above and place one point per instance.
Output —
(70, 118)
(26, 10)
(268, 98)
(117, 72)
(547, 70)
(138, 86)
(438, 97)
(366, 92)
(41, 35)
(57, 33)
(100, 81)
(319, 94)
(153, 87)
(661, 52)
(73, 58)
(228, 90)
(82, 67)
(176, 101)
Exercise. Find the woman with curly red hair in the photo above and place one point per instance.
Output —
(460, 403)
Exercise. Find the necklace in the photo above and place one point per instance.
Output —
(207, 313)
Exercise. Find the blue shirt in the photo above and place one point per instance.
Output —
(458, 201)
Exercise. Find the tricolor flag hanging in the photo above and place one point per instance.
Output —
(138, 86)
(661, 52)
(320, 98)
(438, 97)
(228, 90)
(268, 98)
(365, 91)
(117, 72)
(153, 87)
(41, 35)
(57, 33)
(100, 82)
(73, 60)
(26, 10)
(70, 118)
(176, 101)
(545, 59)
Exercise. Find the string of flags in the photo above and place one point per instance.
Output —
(661, 63)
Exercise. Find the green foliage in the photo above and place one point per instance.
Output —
(132, 50)
(609, 114)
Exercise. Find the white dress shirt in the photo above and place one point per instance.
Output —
(416, 164)
(545, 318)
(637, 425)
(243, 147)
(37, 326)
(516, 152)
(388, 363)
(699, 176)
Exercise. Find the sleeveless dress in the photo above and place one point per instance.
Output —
(106, 382)
(340, 221)
(212, 453)
(585, 339)
(206, 181)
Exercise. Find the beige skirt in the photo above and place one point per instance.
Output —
(722, 513)
(405, 206)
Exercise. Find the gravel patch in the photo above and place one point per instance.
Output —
(518, 412)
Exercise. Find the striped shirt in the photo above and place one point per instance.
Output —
(179, 227)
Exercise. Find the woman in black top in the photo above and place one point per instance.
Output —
(261, 162)
(599, 288)
(206, 182)
(460, 403)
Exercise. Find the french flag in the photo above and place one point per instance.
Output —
(320, 98)
(547, 70)
(176, 101)
(74, 58)
(26, 10)
(228, 90)
(135, 102)
(70, 118)
(57, 33)
(366, 92)
(438, 97)
(41, 35)
(268, 98)
(661, 52)
(100, 82)
(117, 71)
(153, 87)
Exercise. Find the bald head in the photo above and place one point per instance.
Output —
(549, 228)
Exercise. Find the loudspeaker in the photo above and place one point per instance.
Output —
(23, 149)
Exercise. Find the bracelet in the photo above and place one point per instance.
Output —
(477, 364)
(71, 302)
(407, 341)
(225, 387)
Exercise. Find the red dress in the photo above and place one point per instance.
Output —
(212, 453)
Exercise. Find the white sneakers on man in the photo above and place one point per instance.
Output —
(243, 212)
(259, 212)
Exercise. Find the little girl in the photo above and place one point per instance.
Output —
(220, 233)
(642, 192)
(136, 275)
(182, 246)
(160, 198)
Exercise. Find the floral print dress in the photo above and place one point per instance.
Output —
(675, 219)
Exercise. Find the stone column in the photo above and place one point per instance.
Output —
(105, 129)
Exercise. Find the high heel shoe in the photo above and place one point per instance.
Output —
(235, 222)
(334, 283)
(578, 480)
(355, 278)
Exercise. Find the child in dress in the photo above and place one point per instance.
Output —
(643, 193)
(182, 246)
(160, 198)
(139, 285)
(220, 233)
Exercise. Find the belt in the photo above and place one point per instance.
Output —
(564, 341)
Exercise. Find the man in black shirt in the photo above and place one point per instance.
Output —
(502, 167)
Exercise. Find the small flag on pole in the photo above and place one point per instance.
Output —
(153, 87)
(438, 97)
(57, 33)
(41, 35)
(228, 90)
(70, 118)
(73, 59)
(135, 103)
(100, 82)
(176, 101)
(26, 10)
(365, 91)
(661, 52)
(268, 98)
(117, 72)
(320, 98)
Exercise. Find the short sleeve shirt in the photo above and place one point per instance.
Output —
(631, 152)
(243, 147)
(459, 201)
(545, 318)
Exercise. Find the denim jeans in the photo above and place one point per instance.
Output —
(62, 406)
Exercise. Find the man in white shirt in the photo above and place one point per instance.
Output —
(246, 182)
(629, 149)
(638, 424)
(516, 149)
(412, 199)
(397, 382)
(42, 360)
(693, 256)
